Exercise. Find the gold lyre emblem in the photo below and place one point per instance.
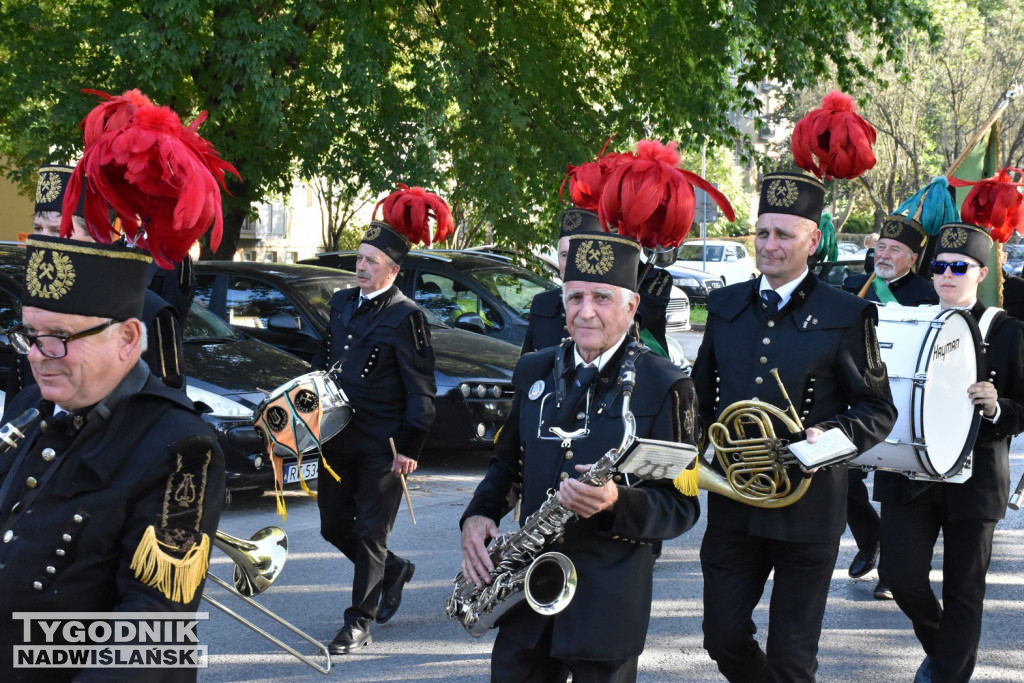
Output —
(185, 493)
(49, 279)
(595, 259)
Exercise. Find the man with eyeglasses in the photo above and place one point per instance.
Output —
(110, 499)
(896, 253)
(913, 512)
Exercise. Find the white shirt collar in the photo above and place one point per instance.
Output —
(601, 360)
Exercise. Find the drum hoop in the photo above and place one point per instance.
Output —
(917, 395)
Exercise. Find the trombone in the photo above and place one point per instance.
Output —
(258, 562)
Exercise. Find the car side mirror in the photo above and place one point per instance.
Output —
(471, 322)
(280, 322)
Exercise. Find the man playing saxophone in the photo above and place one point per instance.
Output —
(576, 388)
(822, 342)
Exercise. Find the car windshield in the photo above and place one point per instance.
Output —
(695, 252)
(318, 294)
(515, 287)
(202, 325)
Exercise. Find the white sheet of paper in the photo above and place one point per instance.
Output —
(830, 447)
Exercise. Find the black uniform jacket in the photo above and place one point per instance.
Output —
(984, 495)
(824, 345)
(909, 290)
(1013, 295)
(72, 538)
(547, 321)
(388, 376)
(608, 617)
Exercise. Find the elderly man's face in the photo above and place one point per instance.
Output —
(373, 269)
(93, 366)
(893, 259)
(596, 317)
(782, 244)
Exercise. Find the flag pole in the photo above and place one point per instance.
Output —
(1014, 90)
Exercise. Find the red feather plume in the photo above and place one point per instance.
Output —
(586, 181)
(162, 179)
(649, 198)
(996, 203)
(409, 210)
(834, 141)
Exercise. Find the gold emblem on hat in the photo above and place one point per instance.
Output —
(892, 229)
(782, 193)
(49, 279)
(372, 233)
(571, 221)
(953, 238)
(594, 258)
(49, 187)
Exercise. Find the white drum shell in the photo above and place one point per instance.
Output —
(932, 356)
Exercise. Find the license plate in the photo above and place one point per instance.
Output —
(309, 471)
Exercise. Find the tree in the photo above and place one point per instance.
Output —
(488, 99)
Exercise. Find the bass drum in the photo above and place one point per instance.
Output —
(932, 355)
(302, 414)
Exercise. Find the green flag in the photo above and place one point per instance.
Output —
(983, 162)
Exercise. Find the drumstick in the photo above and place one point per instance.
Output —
(405, 489)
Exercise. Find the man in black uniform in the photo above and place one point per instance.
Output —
(109, 502)
(382, 342)
(822, 341)
(897, 251)
(574, 386)
(913, 512)
(547, 314)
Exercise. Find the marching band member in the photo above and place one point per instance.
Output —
(381, 340)
(913, 512)
(823, 343)
(575, 386)
(897, 251)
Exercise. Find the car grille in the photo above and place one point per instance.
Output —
(677, 313)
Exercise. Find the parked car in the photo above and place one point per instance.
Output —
(475, 292)
(288, 306)
(1014, 259)
(226, 373)
(730, 260)
(847, 249)
(836, 272)
(697, 284)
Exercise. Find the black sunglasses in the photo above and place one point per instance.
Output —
(958, 267)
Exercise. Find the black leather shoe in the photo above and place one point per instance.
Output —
(391, 595)
(350, 637)
(882, 591)
(863, 562)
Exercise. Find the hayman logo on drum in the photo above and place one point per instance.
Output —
(60, 640)
(939, 352)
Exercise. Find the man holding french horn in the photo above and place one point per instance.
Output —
(914, 511)
(822, 344)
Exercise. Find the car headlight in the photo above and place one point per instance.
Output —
(685, 282)
(221, 406)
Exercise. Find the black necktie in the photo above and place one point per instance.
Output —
(771, 302)
(574, 396)
(585, 374)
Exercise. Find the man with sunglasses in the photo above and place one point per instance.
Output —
(110, 499)
(896, 253)
(913, 512)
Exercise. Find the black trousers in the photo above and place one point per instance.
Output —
(513, 663)
(356, 516)
(860, 513)
(949, 631)
(736, 567)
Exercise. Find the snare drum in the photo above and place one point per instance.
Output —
(932, 356)
(300, 415)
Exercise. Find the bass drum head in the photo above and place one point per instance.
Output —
(943, 417)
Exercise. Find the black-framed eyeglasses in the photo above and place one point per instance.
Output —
(50, 345)
(958, 267)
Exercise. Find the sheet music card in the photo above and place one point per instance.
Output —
(831, 447)
(653, 459)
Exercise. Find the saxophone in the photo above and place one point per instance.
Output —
(547, 581)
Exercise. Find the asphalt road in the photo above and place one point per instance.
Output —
(863, 639)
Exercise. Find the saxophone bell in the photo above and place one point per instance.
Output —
(550, 583)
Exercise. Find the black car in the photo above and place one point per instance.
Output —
(288, 306)
(696, 283)
(225, 371)
(836, 272)
(479, 292)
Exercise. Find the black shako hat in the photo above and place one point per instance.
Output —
(603, 257)
(388, 240)
(85, 278)
(576, 221)
(967, 239)
(50, 187)
(793, 193)
(904, 230)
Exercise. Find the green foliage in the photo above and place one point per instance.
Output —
(859, 224)
(485, 101)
